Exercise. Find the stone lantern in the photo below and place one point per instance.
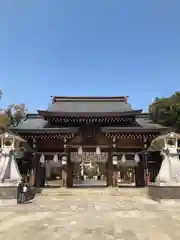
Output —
(10, 145)
(169, 172)
(171, 141)
(167, 185)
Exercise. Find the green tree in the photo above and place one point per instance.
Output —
(166, 111)
(16, 113)
(12, 115)
(4, 121)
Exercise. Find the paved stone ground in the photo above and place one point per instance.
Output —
(90, 214)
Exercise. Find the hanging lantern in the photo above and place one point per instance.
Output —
(114, 142)
(82, 169)
(115, 160)
(123, 159)
(42, 159)
(55, 158)
(48, 168)
(90, 165)
(136, 158)
(80, 151)
(98, 150)
(64, 160)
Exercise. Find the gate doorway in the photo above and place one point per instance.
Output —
(126, 177)
(90, 169)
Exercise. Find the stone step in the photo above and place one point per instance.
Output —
(93, 191)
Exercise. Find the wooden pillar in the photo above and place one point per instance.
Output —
(69, 170)
(139, 173)
(115, 174)
(40, 173)
(146, 171)
(109, 167)
(142, 169)
(32, 179)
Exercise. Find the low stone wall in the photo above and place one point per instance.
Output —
(8, 192)
(157, 192)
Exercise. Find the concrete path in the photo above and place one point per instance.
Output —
(90, 214)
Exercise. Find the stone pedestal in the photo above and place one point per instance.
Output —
(158, 192)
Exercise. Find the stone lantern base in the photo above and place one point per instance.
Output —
(8, 190)
(161, 191)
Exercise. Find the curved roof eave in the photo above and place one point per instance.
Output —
(89, 114)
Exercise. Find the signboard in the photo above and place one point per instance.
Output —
(87, 157)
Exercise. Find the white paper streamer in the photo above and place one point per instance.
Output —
(136, 158)
(42, 159)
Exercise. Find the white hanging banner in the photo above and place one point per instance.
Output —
(48, 169)
(55, 158)
(123, 159)
(42, 159)
(136, 158)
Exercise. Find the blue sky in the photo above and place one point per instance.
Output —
(94, 48)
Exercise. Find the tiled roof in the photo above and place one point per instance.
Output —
(35, 122)
(143, 124)
(90, 104)
(147, 123)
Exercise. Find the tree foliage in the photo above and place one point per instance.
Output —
(12, 115)
(166, 111)
(16, 113)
